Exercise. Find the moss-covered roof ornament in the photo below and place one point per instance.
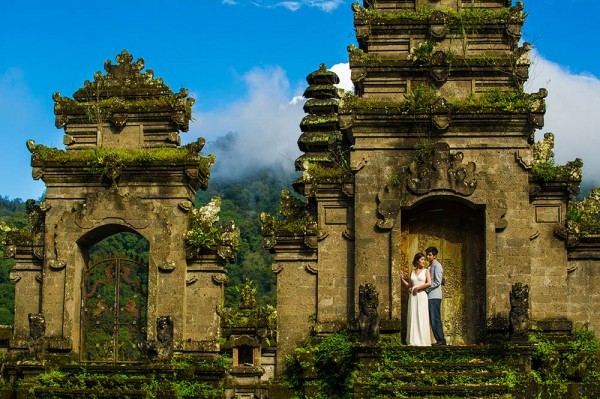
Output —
(123, 94)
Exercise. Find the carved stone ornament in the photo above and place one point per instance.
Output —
(15, 277)
(37, 173)
(186, 205)
(388, 205)
(56, 264)
(191, 280)
(220, 279)
(440, 118)
(440, 68)
(441, 122)
(92, 213)
(524, 158)
(501, 223)
(248, 296)
(442, 171)
(164, 337)
(348, 235)
(519, 310)
(10, 251)
(37, 326)
(38, 251)
(168, 266)
(119, 119)
(437, 25)
(368, 320)
(68, 139)
(311, 268)
(276, 268)
(37, 331)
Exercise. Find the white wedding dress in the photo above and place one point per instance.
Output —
(418, 330)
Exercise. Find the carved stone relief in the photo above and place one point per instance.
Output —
(442, 171)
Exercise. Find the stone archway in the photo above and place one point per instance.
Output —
(114, 295)
(458, 232)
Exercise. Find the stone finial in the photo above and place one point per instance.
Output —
(542, 150)
(368, 321)
(248, 296)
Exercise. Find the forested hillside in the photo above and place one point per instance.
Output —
(242, 201)
(12, 212)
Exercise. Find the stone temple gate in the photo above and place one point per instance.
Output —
(123, 171)
(434, 147)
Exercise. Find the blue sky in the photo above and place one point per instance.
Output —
(245, 62)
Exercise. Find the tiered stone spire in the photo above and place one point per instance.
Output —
(321, 138)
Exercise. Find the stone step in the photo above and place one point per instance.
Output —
(69, 393)
(478, 365)
(507, 396)
(448, 390)
(449, 378)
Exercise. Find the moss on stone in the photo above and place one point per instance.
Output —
(583, 217)
(459, 20)
(102, 108)
(129, 157)
(423, 100)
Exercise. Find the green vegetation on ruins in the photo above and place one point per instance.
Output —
(555, 363)
(166, 382)
(425, 99)
(96, 155)
(583, 217)
(467, 19)
(109, 162)
(422, 54)
(102, 108)
(550, 171)
(206, 233)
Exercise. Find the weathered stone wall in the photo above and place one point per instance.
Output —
(334, 274)
(75, 222)
(581, 294)
(296, 300)
(27, 275)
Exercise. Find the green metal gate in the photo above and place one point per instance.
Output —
(114, 311)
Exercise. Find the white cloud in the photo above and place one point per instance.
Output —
(327, 5)
(572, 105)
(262, 128)
(343, 72)
(230, 2)
(290, 5)
(323, 5)
(265, 123)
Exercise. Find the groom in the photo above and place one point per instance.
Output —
(434, 294)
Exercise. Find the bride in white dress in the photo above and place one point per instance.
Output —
(418, 330)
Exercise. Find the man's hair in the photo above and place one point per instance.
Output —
(432, 250)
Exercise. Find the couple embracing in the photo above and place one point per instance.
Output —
(425, 301)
